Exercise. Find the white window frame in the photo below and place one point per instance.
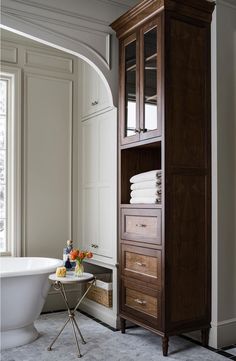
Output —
(13, 76)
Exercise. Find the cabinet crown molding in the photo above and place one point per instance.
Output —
(198, 9)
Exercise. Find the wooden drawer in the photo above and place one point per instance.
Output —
(140, 301)
(141, 225)
(141, 263)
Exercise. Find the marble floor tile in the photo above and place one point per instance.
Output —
(103, 344)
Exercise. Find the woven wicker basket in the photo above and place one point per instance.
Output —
(101, 293)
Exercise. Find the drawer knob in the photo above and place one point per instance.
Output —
(141, 225)
(140, 264)
(140, 302)
(93, 245)
(95, 102)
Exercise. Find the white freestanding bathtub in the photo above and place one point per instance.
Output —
(24, 288)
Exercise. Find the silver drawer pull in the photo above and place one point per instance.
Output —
(141, 225)
(93, 245)
(140, 264)
(95, 102)
(140, 302)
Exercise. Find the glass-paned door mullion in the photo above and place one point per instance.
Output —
(3, 163)
(150, 78)
(130, 128)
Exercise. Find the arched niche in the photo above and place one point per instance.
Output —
(80, 50)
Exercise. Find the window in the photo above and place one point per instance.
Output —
(3, 162)
(9, 161)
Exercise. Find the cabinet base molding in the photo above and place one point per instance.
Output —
(100, 312)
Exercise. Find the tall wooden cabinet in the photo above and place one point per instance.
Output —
(165, 123)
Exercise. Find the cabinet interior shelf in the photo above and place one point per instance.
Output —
(139, 205)
(131, 68)
(150, 98)
(134, 160)
(151, 57)
(147, 67)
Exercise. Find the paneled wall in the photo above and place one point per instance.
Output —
(81, 26)
(49, 90)
(226, 171)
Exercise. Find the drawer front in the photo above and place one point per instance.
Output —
(142, 225)
(141, 263)
(141, 302)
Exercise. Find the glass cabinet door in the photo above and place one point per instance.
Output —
(129, 128)
(150, 78)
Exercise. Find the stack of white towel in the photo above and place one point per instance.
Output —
(146, 187)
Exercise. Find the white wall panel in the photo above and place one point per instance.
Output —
(99, 182)
(89, 168)
(8, 53)
(42, 60)
(48, 120)
(107, 222)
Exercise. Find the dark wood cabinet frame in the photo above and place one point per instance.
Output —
(180, 297)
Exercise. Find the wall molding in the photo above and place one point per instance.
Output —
(9, 53)
(227, 3)
(100, 37)
(42, 60)
(116, 3)
(13, 74)
(225, 322)
(56, 10)
(47, 19)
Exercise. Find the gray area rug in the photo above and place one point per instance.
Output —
(103, 344)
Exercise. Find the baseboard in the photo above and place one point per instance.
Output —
(223, 333)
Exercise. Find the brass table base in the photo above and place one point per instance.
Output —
(71, 315)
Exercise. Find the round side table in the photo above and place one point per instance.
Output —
(58, 284)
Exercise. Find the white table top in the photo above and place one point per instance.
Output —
(71, 278)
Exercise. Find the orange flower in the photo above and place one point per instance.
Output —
(74, 254)
(79, 255)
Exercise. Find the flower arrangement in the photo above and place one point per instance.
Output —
(78, 256)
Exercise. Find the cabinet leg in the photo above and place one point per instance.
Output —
(165, 344)
(122, 325)
(205, 336)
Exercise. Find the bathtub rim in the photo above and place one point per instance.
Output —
(34, 271)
